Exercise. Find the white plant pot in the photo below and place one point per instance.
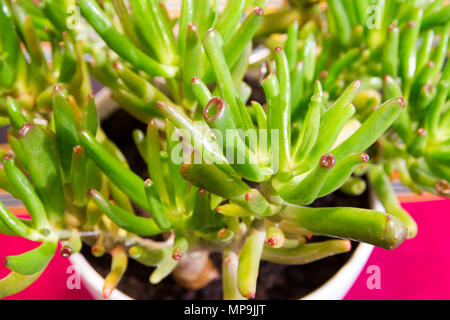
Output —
(334, 289)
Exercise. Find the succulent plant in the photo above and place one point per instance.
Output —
(225, 177)
(28, 76)
(401, 48)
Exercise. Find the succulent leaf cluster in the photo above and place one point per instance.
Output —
(225, 174)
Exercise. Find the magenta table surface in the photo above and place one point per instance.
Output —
(419, 269)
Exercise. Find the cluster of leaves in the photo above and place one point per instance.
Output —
(252, 203)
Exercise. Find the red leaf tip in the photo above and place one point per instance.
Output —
(66, 251)
(421, 131)
(259, 11)
(327, 161)
(177, 256)
(271, 242)
(365, 157)
(25, 129)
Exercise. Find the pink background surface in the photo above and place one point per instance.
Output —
(418, 269)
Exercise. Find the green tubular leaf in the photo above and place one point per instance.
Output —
(308, 55)
(173, 150)
(383, 188)
(441, 52)
(66, 128)
(339, 65)
(126, 21)
(436, 17)
(328, 133)
(6, 185)
(440, 154)
(297, 87)
(119, 264)
(193, 67)
(291, 45)
(15, 225)
(426, 179)
(203, 218)
(135, 106)
(201, 91)
(186, 18)
(391, 52)
(214, 180)
(33, 44)
(148, 257)
(27, 193)
(195, 135)
(138, 85)
(377, 123)
(354, 186)
(272, 91)
(275, 237)
(213, 44)
(306, 253)
(435, 110)
(305, 188)
(310, 130)
(69, 61)
(125, 179)
(16, 116)
(180, 246)
(120, 198)
(342, 21)
(120, 44)
(42, 160)
(234, 48)
(402, 125)
(249, 259)
(56, 12)
(19, 153)
(373, 227)
(424, 53)
(346, 97)
(422, 79)
(342, 172)
(230, 18)
(408, 48)
(141, 143)
(218, 116)
(156, 206)
(8, 39)
(205, 14)
(15, 282)
(89, 119)
(124, 219)
(155, 168)
(33, 261)
(260, 115)
(163, 29)
(79, 176)
(165, 267)
(230, 261)
(281, 117)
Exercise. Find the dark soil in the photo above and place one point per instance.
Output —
(274, 281)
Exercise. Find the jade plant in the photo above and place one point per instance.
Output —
(401, 48)
(28, 76)
(143, 61)
(223, 176)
